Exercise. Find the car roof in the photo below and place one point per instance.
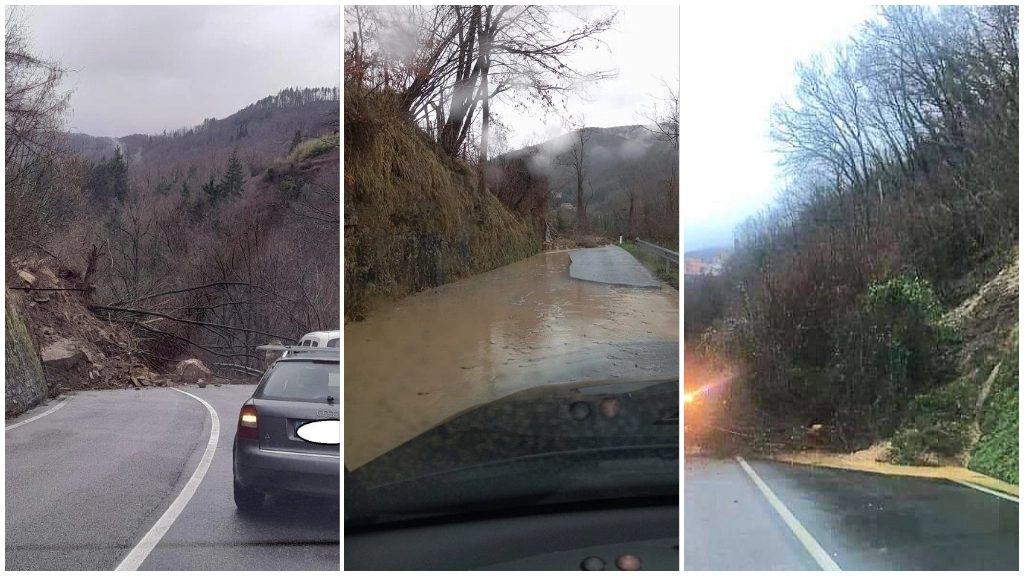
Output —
(310, 353)
(322, 334)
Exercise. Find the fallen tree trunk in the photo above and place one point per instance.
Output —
(243, 369)
(99, 308)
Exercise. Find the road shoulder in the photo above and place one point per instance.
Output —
(853, 462)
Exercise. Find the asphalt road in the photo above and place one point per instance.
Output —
(610, 265)
(85, 483)
(859, 520)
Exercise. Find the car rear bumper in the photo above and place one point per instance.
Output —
(274, 471)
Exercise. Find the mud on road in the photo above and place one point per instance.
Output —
(435, 354)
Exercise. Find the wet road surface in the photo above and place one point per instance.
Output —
(85, 483)
(862, 521)
(433, 355)
(610, 265)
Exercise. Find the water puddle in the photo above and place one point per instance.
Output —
(428, 357)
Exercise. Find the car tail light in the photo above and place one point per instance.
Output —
(248, 423)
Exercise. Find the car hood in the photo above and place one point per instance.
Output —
(565, 439)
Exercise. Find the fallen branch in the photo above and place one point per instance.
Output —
(95, 308)
(56, 289)
(191, 343)
(243, 369)
(192, 288)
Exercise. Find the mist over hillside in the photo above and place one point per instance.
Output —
(612, 155)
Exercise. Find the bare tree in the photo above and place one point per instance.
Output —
(630, 184)
(664, 113)
(41, 176)
(575, 158)
(456, 59)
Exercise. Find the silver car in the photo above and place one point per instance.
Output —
(288, 435)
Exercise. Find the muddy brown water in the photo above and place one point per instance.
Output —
(433, 355)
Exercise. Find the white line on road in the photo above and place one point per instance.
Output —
(987, 490)
(813, 548)
(38, 416)
(138, 554)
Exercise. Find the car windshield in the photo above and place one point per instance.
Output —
(312, 381)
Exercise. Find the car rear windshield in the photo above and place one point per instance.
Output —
(309, 381)
(333, 342)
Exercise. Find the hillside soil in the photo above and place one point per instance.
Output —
(79, 350)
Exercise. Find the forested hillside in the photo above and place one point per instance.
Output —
(903, 148)
(625, 167)
(199, 242)
(185, 158)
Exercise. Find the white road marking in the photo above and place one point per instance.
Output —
(38, 416)
(138, 554)
(987, 490)
(813, 548)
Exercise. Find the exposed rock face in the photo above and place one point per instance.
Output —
(24, 383)
(64, 354)
(192, 370)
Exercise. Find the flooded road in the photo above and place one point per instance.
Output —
(414, 364)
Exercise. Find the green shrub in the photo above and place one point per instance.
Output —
(314, 147)
(887, 353)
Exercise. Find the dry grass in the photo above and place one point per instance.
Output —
(413, 218)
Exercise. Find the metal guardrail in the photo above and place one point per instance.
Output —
(665, 253)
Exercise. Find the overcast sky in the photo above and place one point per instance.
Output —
(737, 62)
(643, 47)
(147, 69)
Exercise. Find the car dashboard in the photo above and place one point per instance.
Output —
(644, 536)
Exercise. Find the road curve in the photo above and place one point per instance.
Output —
(85, 483)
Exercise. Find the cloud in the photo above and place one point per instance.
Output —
(146, 69)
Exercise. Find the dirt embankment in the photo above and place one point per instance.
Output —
(75, 349)
(414, 218)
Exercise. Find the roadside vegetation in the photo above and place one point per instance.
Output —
(871, 302)
(997, 451)
(654, 263)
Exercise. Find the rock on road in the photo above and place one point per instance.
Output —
(85, 483)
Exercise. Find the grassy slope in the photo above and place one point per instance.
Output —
(413, 217)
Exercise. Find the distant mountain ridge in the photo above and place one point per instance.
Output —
(265, 129)
(709, 253)
(611, 155)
